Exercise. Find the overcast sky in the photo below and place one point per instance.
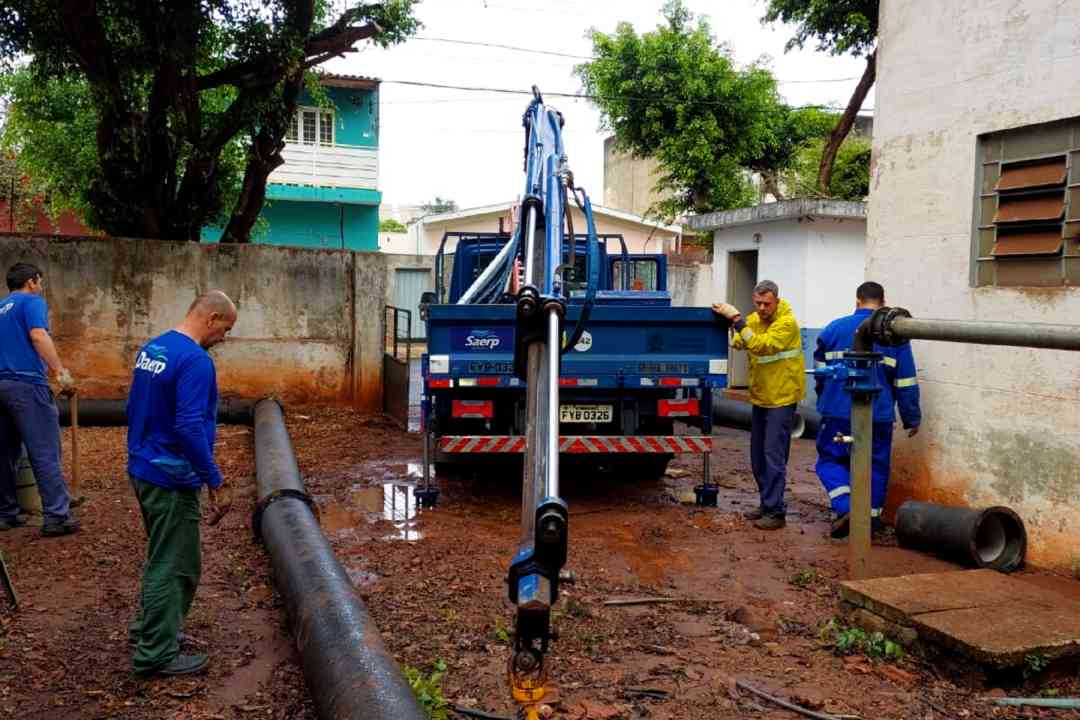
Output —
(467, 146)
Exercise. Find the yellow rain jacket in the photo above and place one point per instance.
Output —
(777, 376)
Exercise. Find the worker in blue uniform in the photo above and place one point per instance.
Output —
(899, 389)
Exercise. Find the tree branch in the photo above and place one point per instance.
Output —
(86, 38)
(843, 127)
(268, 69)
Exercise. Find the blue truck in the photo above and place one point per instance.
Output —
(559, 346)
(639, 365)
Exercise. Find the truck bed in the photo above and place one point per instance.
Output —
(624, 345)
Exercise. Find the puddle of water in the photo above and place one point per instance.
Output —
(414, 470)
(394, 503)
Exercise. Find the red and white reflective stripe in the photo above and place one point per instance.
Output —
(482, 444)
(580, 444)
(578, 382)
(678, 382)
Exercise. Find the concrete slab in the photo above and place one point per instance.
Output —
(994, 619)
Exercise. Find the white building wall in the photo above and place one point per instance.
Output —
(835, 266)
(781, 250)
(1001, 425)
(817, 263)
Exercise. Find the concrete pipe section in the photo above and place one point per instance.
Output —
(348, 670)
(993, 538)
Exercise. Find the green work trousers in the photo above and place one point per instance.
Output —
(170, 575)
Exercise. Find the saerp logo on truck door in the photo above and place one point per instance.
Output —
(483, 340)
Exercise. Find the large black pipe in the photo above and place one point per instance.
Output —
(739, 414)
(992, 538)
(112, 413)
(349, 672)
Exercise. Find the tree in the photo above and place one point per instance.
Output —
(391, 225)
(157, 118)
(838, 27)
(850, 179)
(438, 205)
(793, 131)
(675, 95)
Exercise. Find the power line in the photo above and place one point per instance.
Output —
(553, 53)
(578, 96)
(499, 46)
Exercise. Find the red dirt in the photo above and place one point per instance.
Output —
(739, 615)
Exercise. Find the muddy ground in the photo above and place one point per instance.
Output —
(748, 604)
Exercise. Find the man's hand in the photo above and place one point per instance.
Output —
(913, 431)
(220, 502)
(67, 382)
(729, 311)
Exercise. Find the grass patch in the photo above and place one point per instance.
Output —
(849, 640)
(427, 687)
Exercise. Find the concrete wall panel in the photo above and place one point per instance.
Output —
(309, 328)
(1001, 424)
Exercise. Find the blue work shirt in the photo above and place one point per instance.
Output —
(172, 414)
(21, 312)
(896, 375)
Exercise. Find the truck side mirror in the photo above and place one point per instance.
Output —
(426, 298)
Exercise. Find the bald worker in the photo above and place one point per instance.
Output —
(172, 419)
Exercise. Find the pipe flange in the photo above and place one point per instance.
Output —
(260, 507)
(881, 326)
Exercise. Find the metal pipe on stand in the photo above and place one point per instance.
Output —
(894, 327)
(349, 672)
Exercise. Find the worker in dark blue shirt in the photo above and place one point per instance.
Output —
(28, 413)
(899, 388)
(172, 419)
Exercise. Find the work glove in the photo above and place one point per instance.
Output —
(729, 311)
(67, 382)
(220, 503)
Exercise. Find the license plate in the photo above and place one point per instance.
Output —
(586, 413)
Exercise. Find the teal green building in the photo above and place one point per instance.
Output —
(326, 193)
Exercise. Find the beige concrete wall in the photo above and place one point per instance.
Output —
(690, 284)
(639, 238)
(310, 324)
(629, 181)
(1001, 425)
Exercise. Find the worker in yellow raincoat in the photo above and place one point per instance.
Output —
(777, 384)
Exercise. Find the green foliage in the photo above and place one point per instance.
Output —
(155, 119)
(847, 640)
(805, 578)
(501, 632)
(675, 95)
(851, 171)
(1035, 663)
(391, 225)
(439, 205)
(838, 26)
(428, 689)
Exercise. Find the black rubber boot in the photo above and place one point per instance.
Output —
(182, 665)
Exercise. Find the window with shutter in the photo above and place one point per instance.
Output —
(1027, 213)
(326, 128)
(293, 133)
(311, 119)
